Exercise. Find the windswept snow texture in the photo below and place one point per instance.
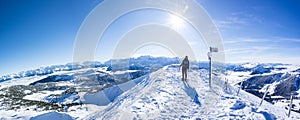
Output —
(164, 96)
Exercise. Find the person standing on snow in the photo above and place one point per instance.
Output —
(185, 64)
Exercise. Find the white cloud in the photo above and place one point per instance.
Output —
(251, 50)
(264, 59)
(268, 41)
(246, 40)
(237, 20)
(274, 49)
(238, 51)
(296, 40)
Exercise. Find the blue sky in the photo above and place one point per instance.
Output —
(258, 30)
(37, 33)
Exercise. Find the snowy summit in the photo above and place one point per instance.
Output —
(146, 91)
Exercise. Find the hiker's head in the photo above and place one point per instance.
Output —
(186, 57)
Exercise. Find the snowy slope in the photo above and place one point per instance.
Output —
(61, 87)
(164, 96)
(282, 80)
(99, 91)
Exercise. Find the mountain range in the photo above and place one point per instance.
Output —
(150, 88)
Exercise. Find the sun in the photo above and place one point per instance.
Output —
(175, 22)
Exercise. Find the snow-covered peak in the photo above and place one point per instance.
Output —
(133, 64)
(249, 65)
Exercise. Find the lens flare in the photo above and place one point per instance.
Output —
(175, 22)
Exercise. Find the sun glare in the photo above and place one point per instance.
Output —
(175, 22)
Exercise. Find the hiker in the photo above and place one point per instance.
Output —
(185, 64)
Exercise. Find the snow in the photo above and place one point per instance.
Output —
(42, 95)
(124, 71)
(28, 80)
(69, 99)
(98, 98)
(75, 112)
(236, 77)
(107, 95)
(20, 81)
(271, 89)
(51, 69)
(249, 65)
(24, 80)
(27, 91)
(52, 116)
(79, 112)
(159, 95)
(49, 97)
(259, 68)
(298, 92)
(288, 68)
(21, 114)
(164, 96)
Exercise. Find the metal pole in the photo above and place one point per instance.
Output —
(225, 84)
(210, 72)
(210, 68)
(209, 54)
(291, 104)
(262, 99)
(239, 88)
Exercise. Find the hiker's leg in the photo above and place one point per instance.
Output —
(182, 70)
(185, 72)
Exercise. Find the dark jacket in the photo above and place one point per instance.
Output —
(185, 63)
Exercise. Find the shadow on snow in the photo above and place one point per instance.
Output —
(190, 91)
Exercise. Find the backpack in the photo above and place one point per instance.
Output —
(185, 63)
